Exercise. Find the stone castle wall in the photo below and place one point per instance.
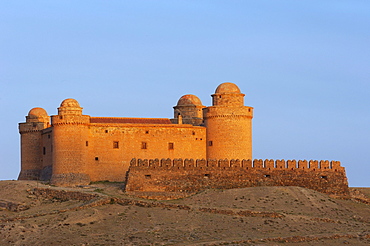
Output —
(111, 147)
(189, 175)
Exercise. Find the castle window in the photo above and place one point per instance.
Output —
(324, 177)
(210, 143)
(43, 150)
(170, 146)
(146, 132)
(96, 158)
(48, 135)
(193, 132)
(144, 145)
(267, 176)
(148, 176)
(115, 144)
(106, 131)
(207, 175)
(87, 143)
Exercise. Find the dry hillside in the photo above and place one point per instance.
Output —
(32, 213)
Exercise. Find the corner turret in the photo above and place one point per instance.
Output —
(32, 150)
(70, 155)
(229, 124)
(189, 109)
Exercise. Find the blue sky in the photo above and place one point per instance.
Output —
(303, 65)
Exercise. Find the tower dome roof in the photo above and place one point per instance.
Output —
(189, 100)
(70, 102)
(37, 112)
(226, 88)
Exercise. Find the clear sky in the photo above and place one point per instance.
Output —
(303, 65)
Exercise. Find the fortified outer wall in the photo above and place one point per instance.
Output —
(189, 175)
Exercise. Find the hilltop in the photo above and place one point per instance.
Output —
(33, 213)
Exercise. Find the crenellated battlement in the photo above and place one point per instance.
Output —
(224, 164)
(192, 175)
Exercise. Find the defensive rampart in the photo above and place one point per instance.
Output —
(189, 175)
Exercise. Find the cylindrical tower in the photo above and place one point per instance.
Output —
(229, 124)
(31, 143)
(70, 133)
(189, 109)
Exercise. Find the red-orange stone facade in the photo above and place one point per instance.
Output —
(75, 149)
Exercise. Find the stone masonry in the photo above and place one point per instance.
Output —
(201, 147)
(191, 176)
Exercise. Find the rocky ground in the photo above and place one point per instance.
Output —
(32, 213)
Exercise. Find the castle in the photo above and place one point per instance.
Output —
(201, 147)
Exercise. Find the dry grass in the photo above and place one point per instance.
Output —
(212, 217)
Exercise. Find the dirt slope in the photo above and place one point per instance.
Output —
(36, 214)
